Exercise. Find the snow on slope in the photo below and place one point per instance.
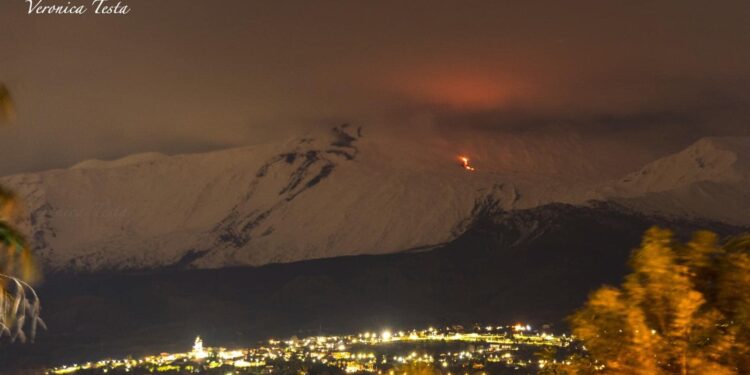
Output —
(720, 160)
(329, 195)
(332, 194)
(130, 159)
(710, 179)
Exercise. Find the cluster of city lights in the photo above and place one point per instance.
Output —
(450, 349)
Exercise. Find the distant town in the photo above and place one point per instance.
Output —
(503, 349)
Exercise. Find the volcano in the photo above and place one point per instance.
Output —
(336, 193)
(341, 231)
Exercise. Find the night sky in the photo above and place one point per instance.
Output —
(182, 76)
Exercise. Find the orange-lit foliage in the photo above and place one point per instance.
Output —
(6, 104)
(15, 256)
(685, 309)
(19, 304)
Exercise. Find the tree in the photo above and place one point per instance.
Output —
(19, 304)
(685, 309)
(6, 104)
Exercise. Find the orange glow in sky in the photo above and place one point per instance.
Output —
(465, 93)
(460, 88)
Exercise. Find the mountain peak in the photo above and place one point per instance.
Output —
(121, 162)
(716, 159)
(738, 146)
(708, 179)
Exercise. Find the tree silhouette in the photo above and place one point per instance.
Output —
(685, 309)
(19, 304)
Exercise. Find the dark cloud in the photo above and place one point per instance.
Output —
(189, 75)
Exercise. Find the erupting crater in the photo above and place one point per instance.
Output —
(465, 164)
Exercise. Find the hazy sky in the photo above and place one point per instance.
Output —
(183, 75)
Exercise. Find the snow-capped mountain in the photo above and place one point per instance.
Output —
(335, 194)
(710, 179)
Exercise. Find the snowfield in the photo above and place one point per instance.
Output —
(710, 179)
(328, 195)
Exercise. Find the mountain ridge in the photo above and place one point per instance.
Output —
(328, 195)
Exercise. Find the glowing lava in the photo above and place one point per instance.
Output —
(465, 163)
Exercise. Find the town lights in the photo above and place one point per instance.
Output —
(198, 352)
(353, 353)
(386, 335)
